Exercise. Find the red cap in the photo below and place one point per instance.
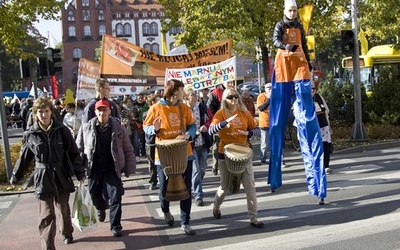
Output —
(102, 104)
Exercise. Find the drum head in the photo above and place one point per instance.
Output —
(170, 142)
(236, 150)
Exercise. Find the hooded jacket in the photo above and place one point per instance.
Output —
(56, 159)
(121, 146)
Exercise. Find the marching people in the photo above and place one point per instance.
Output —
(200, 144)
(128, 120)
(139, 107)
(322, 110)
(169, 118)
(150, 146)
(292, 69)
(248, 102)
(235, 125)
(214, 104)
(263, 114)
(71, 120)
(57, 158)
(109, 153)
(103, 89)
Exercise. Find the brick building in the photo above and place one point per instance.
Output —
(85, 21)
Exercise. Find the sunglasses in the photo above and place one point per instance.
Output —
(230, 97)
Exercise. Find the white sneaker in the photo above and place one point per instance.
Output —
(137, 159)
(188, 230)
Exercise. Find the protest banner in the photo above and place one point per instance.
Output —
(123, 63)
(205, 76)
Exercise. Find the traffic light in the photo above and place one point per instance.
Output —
(41, 69)
(347, 42)
(54, 59)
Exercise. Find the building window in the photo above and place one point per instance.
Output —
(101, 15)
(172, 31)
(155, 48)
(118, 14)
(76, 53)
(146, 29)
(127, 30)
(144, 14)
(135, 14)
(154, 29)
(127, 16)
(71, 31)
(71, 17)
(86, 31)
(147, 46)
(162, 14)
(154, 13)
(102, 30)
(85, 2)
(86, 15)
(120, 29)
(171, 46)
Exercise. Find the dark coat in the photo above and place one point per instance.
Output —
(56, 159)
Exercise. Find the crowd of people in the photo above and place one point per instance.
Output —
(104, 138)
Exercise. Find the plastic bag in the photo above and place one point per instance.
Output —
(83, 211)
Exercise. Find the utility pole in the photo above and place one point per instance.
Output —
(358, 132)
(4, 133)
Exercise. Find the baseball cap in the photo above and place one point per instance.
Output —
(102, 104)
(268, 85)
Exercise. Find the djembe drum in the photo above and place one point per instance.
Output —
(237, 158)
(174, 158)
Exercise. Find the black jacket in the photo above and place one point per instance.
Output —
(279, 31)
(56, 159)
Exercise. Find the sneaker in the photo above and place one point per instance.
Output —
(116, 232)
(328, 170)
(101, 215)
(199, 202)
(169, 219)
(68, 240)
(321, 201)
(217, 213)
(153, 186)
(137, 159)
(188, 230)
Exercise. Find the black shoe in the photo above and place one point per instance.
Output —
(169, 219)
(257, 224)
(153, 186)
(199, 202)
(101, 215)
(116, 232)
(68, 240)
(217, 213)
(215, 171)
(321, 201)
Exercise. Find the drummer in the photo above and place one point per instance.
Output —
(234, 124)
(170, 118)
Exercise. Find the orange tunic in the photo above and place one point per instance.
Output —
(170, 122)
(263, 121)
(244, 121)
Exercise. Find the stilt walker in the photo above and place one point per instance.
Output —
(292, 71)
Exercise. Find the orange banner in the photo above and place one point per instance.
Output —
(123, 63)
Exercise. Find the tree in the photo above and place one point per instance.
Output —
(17, 19)
(248, 23)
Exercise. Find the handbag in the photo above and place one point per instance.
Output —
(83, 211)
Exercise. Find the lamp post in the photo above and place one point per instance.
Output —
(358, 132)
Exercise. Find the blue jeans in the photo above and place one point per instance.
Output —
(139, 143)
(98, 182)
(186, 205)
(264, 144)
(199, 170)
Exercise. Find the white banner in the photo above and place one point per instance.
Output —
(205, 76)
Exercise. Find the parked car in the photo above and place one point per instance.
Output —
(254, 91)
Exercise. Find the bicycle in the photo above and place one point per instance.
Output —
(291, 138)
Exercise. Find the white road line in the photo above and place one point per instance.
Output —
(5, 204)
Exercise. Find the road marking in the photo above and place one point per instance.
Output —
(5, 204)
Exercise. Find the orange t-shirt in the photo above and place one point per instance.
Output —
(263, 115)
(244, 121)
(170, 121)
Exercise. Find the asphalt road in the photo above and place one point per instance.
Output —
(361, 211)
